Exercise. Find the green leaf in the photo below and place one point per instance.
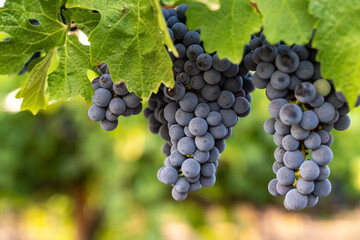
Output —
(26, 38)
(338, 42)
(70, 79)
(33, 93)
(85, 19)
(129, 39)
(287, 20)
(227, 30)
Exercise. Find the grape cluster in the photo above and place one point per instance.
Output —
(198, 114)
(304, 108)
(111, 100)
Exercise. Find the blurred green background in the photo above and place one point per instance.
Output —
(63, 177)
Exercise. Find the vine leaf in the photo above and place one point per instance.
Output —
(129, 39)
(85, 19)
(70, 78)
(227, 30)
(287, 20)
(33, 93)
(338, 42)
(32, 26)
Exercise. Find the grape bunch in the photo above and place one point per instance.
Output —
(111, 100)
(198, 113)
(304, 108)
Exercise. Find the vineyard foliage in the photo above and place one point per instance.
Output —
(130, 35)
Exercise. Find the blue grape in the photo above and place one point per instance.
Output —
(272, 187)
(106, 81)
(259, 82)
(293, 159)
(220, 65)
(219, 131)
(272, 93)
(294, 82)
(279, 154)
(197, 82)
(294, 200)
(183, 78)
(186, 146)
(183, 118)
(190, 167)
(176, 132)
(208, 181)
(313, 141)
(265, 70)
(208, 169)
(322, 156)
(201, 156)
(191, 37)
(309, 120)
(205, 142)
(96, 113)
(180, 12)
(117, 106)
(301, 51)
(108, 125)
(289, 143)
(212, 76)
(189, 102)
(233, 84)
(287, 61)
(268, 53)
(102, 97)
(285, 176)
(305, 92)
(343, 123)
(232, 71)
(111, 116)
(176, 93)
(276, 166)
(275, 106)
(176, 158)
(226, 99)
(169, 175)
(280, 80)
(210, 92)
(182, 185)
(312, 200)
(95, 83)
(202, 110)
(131, 100)
(322, 188)
(170, 111)
(298, 132)
(193, 52)
(281, 128)
(178, 196)
(305, 187)
(324, 173)
(305, 70)
(120, 89)
(181, 49)
(242, 106)
(269, 126)
(179, 30)
(290, 114)
(198, 126)
(229, 117)
(204, 61)
(171, 21)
